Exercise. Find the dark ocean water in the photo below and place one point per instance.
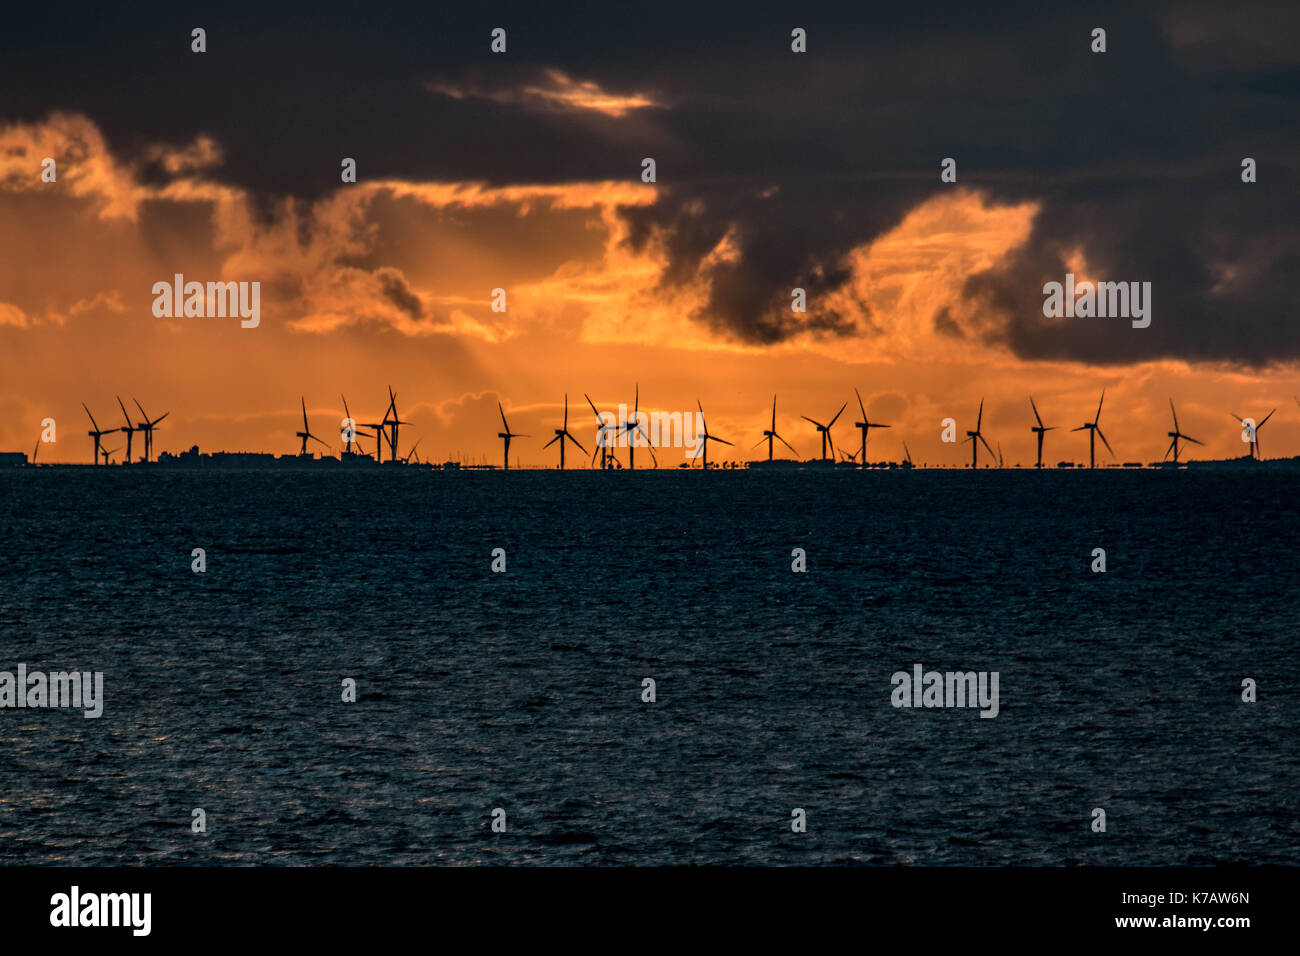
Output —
(522, 690)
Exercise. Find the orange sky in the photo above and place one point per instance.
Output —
(78, 259)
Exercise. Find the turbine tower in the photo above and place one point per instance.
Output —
(864, 426)
(147, 427)
(1254, 435)
(306, 432)
(96, 434)
(770, 433)
(1040, 429)
(707, 437)
(128, 428)
(825, 430)
(972, 435)
(1094, 431)
(1176, 435)
(506, 435)
(561, 434)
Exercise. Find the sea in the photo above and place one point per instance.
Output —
(519, 696)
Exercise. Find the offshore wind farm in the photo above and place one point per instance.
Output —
(616, 435)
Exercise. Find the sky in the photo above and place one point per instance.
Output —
(775, 170)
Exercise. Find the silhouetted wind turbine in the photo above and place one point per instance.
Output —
(826, 430)
(106, 453)
(562, 434)
(1094, 431)
(770, 433)
(864, 426)
(1040, 429)
(95, 434)
(707, 437)
(411, 454)
(506, 435)
(907, 454)
(380, 435)
(395, 422)
(972, 435)
(350, 437)
(602, 435)
(1254, 435)
(1176, 435)
(129, 428)
(147, 427)
(634, 428)
(306, 432)
(602, 431)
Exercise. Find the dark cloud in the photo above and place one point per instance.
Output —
(394, 287)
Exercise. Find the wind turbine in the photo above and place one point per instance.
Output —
(826, 429)
(707, 437)
(95, 434)
(770, 433)
(128, 428)
(634, 427)
(1040, 429)
(864, 426)
(106, 453)
(561, 434)
(1094, 431)
(147, 427)
(350, 436)
(1176, 434)
(380, 435)
(1254, 435)
(395, 422)
(972, 435)
(506, 435)
(411, 454)
(306, 432)
(602, 431)
(907, 454)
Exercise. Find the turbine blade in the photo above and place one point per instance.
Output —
(860, 406)
(1174, 412)
(786, 444)
(986, 445)
(1035, 408)
(1104, 442)
(551, 442)
(575, 441)
(1192, 440)
(979, 421)
(502, 412)
(721, 441)
(1257, 427)
(839, 413)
